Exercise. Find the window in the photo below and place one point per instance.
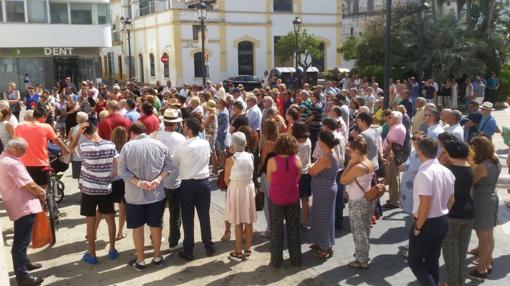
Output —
(58, 13)
(199, 65)
(282, 6)
(140, 58)
(196, 32)
(166, 67)
(319, 62)
(152, 65)
(245, 58)
(15, 11)
(355, 7)
(102, 14)
(370, 5)
(81, 13)
(277, 61)
(37, 11)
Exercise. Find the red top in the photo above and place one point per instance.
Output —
(280, 103)
(284, 189)
(107, 125)
(100, 107)
(151, 123)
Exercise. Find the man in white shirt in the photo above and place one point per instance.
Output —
(192, 159)
(172, 183)
(433, 197)
(221, 94)
(453, 118)
(253, 113)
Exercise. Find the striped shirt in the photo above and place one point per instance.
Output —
(305, 108)
(97, 167)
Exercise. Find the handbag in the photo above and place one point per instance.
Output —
(374, 192)
(399, 153)
(41, 231)
(259, 200)
(221, 181)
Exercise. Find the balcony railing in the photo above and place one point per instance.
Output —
(153, 7)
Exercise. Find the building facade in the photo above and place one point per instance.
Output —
(240, 37)
(43, 41)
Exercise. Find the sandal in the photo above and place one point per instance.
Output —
(120, 236)
(473, 252)
(226, 236)
(236, 255)
(324, 254)
(247, 252)
(358, 265)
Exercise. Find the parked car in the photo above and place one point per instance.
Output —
(248, 81)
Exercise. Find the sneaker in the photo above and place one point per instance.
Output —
(475, 275)
(113, 254)
(135, 265)
(158, 261)
(175, 247)
(89, 259)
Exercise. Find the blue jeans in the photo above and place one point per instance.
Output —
(22, 238)
(196, 193)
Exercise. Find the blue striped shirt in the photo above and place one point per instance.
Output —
(97, 167)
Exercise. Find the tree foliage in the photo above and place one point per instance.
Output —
(307, 47)
(436, 44)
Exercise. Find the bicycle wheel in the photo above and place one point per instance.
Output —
(59, 196)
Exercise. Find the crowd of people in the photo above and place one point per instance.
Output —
(310, 151)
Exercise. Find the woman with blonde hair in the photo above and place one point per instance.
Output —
(6, 128)
(13, 96)
(119, 137)
(211, 131)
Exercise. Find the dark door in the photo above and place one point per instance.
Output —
(65, 67)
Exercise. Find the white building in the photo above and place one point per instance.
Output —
(240, 37)
(49, 40)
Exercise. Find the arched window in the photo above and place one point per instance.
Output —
(199, 65)
(152, 65)
(319, 61)
(245, 58)
(166, 67)
(140, 57)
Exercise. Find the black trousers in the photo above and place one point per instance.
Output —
(22, 238)
(195, 194)
(425, 250)
(174, 208)
(340, 205)
(290, 214)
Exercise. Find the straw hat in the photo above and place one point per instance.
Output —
(173, 102)
(487, 105)
(171, 116)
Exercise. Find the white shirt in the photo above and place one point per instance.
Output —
(221, 93)
(436, 181)
(339, 150)
(434, 131)
(304, 152)
(172, 140)
(254, 117)
(456, 130)
(192, 158)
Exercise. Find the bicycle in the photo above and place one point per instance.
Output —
(51, 202)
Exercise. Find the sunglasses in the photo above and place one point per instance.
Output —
(417, 139)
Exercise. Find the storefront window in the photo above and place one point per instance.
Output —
(59, 13)
(102, 14)
(37, 11)
(15, 10)
(81, 13)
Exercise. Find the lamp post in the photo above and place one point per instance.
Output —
(297, 26)
(387, 54)
(202, 14)
(126, 23)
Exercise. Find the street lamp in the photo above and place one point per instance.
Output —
(297, 26)
(202, 14)
(126, 23)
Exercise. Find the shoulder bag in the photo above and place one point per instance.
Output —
(375, 191)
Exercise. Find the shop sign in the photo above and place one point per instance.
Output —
(48, 52)
(58, 51)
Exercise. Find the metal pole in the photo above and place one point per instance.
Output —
(203, 52)
(387, 54)
(129, 55)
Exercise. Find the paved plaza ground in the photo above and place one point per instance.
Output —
(62, 265)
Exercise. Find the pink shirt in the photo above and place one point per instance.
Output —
(18, 201)
(284, 189)
(396, 134)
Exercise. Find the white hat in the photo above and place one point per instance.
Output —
(116, 86)
(171, 116)
(487, 105)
